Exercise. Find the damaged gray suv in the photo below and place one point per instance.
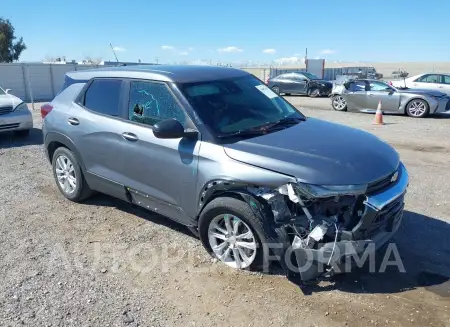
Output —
(216, 150)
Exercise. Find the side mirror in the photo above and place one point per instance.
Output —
(171, 129)
(7, 91)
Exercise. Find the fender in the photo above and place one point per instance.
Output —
(52, 137)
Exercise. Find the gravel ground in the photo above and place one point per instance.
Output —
(106, 263)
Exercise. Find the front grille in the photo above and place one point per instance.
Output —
(5, 110)
(8, 126)
(381, 184)
(386, 218)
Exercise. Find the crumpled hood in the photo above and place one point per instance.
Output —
(7, 100)
(319, 152)
(424, 92)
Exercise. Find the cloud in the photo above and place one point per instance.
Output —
(327, 51)
(118, 49)
(269, 51)
(184, 53)
(190, 49)
(230, 49)
(167, 47)
(290, 60)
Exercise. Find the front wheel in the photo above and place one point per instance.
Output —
(417, 108)
(314, 93)
(231, 232)
(338, 103)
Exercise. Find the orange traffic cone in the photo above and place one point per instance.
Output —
(378, 115)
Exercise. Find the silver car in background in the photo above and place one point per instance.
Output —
(14, 114)
(364, 95)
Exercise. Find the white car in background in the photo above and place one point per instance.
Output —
(14, 114)
(428, 81)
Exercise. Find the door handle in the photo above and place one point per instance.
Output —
(130, 137)
(73, 121)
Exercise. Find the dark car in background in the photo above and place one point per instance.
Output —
(362, 72)
(300, 83)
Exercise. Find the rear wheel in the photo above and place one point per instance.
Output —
(338, 103)
(276, 89)
(68, 176)
(232, 233)
(417, 108)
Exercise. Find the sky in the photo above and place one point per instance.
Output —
(232, 30)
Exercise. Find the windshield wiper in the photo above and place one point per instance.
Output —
(261, 130)
(283, 122)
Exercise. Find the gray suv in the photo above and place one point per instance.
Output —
(216, 150)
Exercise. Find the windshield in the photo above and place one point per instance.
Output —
(230, 105)
(310, 76)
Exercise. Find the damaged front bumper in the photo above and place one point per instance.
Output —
(380, 220)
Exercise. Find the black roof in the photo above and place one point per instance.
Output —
(168, 73)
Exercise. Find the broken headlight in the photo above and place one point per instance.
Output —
(326, 191)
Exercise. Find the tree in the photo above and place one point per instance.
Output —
(10, 50)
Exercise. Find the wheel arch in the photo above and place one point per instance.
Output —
(54, 140)
(408, 101)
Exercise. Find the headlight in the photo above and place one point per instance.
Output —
(21, 107)
(325, 191)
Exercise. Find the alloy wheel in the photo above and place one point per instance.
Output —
(232, 241)
(417, 108)
(65, 174)
(339, 103)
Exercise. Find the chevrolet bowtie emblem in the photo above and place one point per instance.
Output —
(394, 177)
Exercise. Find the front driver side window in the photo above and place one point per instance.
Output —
(378, 86)
(151, 102)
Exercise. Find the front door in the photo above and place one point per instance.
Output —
(356, 96)
(299, 83)
(160, 173)
(379, 91)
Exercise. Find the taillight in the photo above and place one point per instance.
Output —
(45, 109)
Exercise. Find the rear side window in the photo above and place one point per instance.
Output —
(103, 95)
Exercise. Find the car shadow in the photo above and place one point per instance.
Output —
(421, 244)
(108, 201)
(11, 140)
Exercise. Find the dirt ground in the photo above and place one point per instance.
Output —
(106, 263)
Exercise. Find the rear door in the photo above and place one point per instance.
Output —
(95, 129)
(379, 91)
(444, 85)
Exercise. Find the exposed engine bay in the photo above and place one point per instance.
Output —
(317, 227)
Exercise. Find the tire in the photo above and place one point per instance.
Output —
(233, 207)
(338, 103)
(81, 190)
(314, 93)
(288, 94)
(22, 133)
(276, 89)
(417, 108)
